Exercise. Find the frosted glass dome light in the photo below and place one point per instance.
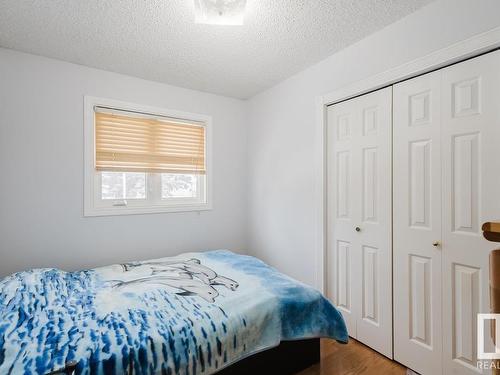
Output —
(219, 12)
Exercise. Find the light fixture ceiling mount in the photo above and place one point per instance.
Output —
(219, 12)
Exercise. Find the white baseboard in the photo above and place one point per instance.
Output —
(411, 372)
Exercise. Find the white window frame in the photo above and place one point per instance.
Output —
(95, 206)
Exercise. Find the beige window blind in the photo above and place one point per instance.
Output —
(126, 141)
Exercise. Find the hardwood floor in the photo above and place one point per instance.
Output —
(352, 359)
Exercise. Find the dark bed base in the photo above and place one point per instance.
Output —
(288, 358)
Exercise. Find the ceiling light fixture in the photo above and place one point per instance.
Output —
(219, 12)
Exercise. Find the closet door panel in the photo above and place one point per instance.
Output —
(417, 223)
(359, 216)
(375, 321)
(343, 211)
(471, 186)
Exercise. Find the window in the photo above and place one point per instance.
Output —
(144, 160)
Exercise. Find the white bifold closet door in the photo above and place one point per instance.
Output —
(417, 224)
(446, 184)
(359, 216)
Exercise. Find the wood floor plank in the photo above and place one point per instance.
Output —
(352, 359)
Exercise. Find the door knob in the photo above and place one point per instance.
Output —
(358, 229)
(436, 244)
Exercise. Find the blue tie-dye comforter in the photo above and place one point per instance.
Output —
(191, 314)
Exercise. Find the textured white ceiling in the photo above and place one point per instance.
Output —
(158, 39)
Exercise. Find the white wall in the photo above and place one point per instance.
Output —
(283, 223)
(41, 171)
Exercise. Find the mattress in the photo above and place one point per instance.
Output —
(195, 313)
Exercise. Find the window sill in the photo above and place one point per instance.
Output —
(117, 211)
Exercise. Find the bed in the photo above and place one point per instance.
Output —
(196, 313)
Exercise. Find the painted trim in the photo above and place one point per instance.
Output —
(467, 48)
(320, 192)
(459, 51)
(89, 208)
